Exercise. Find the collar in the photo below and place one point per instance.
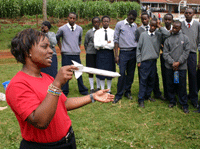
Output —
(105, 29)
(93, 29)
(144, 27)
(186, 23)
(169, 29)
(151, 33)
(70, 26)
(126, 23)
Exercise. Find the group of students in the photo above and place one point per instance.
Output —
(129, 46)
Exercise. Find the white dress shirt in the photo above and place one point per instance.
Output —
(151, 33)
(186, 23)
(145, 27)
(169, 29)
(126, 23)
(99, 39)
(70, 27)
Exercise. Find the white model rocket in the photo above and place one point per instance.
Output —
(91, 70)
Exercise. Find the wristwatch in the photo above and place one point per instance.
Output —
(92, 98)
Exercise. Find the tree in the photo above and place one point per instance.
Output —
(44, 10)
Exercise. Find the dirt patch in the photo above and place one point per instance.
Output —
(7, 54)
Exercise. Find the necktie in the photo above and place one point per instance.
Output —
(151, 34)
(131, 25)
(106, 36)
(188, 25)
(72, 28)
(147, 28)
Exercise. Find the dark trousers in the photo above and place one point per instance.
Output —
(192, 77)
(163, 71)
(147, 72)
(66, 60)
(180, 87)
(127, 63)
(55, 145)
(156, 89)
(53, 69)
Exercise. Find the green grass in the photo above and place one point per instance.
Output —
(109, 126)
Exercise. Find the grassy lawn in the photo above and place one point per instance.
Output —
(111, 126)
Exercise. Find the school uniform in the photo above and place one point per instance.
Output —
(105, 55)
(125, 37)
(148, 50)
(91, 53)
(71, 39)
(163, 68)
(192, 30)
(176, 49)
(156, 90)
(90, 49)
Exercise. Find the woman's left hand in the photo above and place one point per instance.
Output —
(103, 96)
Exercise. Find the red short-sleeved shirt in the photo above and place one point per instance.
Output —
(24, 94)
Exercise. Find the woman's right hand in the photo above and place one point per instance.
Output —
(64, 74)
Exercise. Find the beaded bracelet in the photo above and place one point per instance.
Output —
(54, 90)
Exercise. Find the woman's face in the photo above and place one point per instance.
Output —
(41, 53)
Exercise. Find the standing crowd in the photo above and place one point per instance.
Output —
(129, 46)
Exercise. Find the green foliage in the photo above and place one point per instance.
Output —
(31, 7)
(9, 8)
(61, 8)
(90, 9)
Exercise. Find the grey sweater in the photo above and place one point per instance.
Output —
(138, 32)
(70, 39)
(193, 34)
(176, 49)
(89, 42)
(125, 35)
(52, 40)
(148, 47)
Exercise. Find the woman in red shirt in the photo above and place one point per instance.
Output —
(37, 99)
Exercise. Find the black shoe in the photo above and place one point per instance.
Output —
(116, 100)
(171, 105)
(151, 99)
(129, 96)
(186, 111)
(92, 91)
(141, 104)
(197, 111)
(196, 106)
(162, 98)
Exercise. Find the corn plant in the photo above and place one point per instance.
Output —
(61, 8)
(9, 8)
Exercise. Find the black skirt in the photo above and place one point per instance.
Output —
(106, 61)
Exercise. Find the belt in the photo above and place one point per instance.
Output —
(69, 135)
(128, 49)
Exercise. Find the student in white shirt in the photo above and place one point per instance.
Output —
(103, 42)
